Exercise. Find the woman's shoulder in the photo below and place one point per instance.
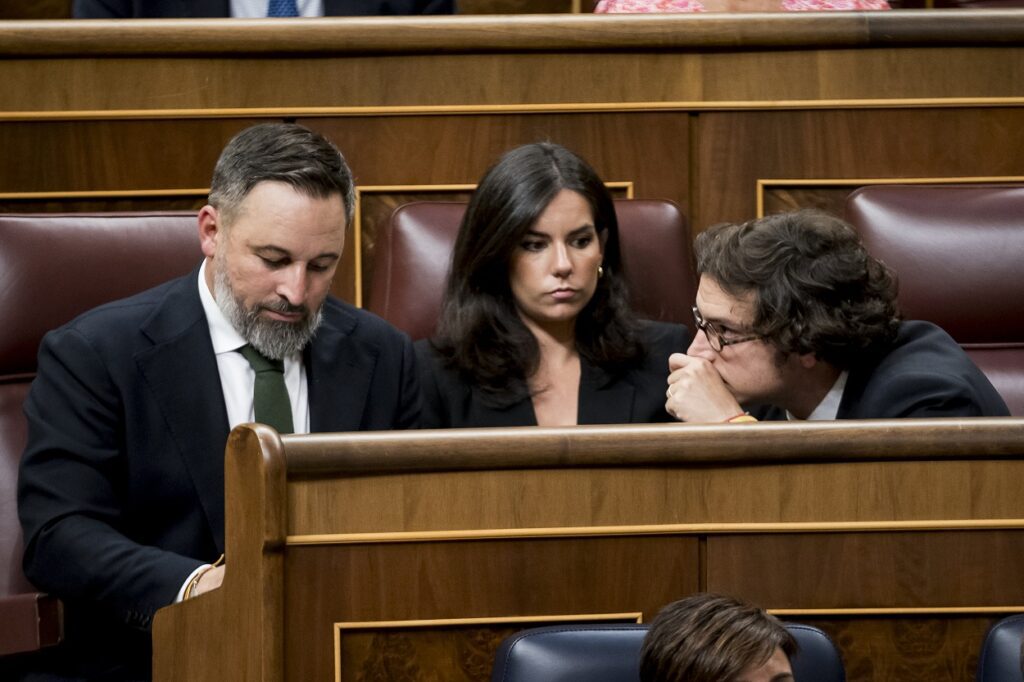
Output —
(659, 336)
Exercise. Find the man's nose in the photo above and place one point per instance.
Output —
(700, 348)
(292, 285)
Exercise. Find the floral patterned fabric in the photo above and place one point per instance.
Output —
(631, 6)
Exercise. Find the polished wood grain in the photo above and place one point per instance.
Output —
(430, 543)
(907, 649)
(738, 149)
(863, 570)
(515, 33)
(481, 580)
(36, 9)
(236, 632)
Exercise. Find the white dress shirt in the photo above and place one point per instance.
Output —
(253, 9)
(237, 378)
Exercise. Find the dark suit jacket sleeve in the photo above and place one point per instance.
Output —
(73, 475)
(928, 394)
(410, 400)
(435, 413)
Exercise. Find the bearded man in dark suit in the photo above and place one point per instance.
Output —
(121, 488)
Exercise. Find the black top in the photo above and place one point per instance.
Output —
(636, 396)
(924, 374)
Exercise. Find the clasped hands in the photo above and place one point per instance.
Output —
(696, 392)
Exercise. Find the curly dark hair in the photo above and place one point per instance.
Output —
(480, 332)
(816, 288)
(710, 638)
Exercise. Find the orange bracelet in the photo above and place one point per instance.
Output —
(741, 417)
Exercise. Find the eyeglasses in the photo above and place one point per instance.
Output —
(715, 339)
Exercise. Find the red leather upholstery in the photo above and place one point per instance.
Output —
(958, 251)
(413, 253)
(54, 267)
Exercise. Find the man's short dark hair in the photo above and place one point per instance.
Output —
(280, 152)
(710, 638)
(816, 289)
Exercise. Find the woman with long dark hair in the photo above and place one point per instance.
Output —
(535, 327)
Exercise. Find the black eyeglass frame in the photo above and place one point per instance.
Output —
(714, 337)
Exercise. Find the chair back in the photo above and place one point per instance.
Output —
(414, 253)
(54, 267)
(611, 653)
(1000, 659)
(957, 251)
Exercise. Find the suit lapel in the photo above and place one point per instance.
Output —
(602, 400)
(181, 372)
(339, 371)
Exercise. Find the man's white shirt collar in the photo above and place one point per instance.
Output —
(237, 377)
(828, 408)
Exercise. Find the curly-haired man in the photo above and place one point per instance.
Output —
(796, 320)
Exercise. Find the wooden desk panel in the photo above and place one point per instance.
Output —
(461, 536)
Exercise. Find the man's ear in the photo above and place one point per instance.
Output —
(210, 230)
(808, 360)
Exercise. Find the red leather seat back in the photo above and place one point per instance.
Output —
(54, 267)
(958, 251)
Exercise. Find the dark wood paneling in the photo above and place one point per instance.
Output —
(67, 156)
(35, 9)
(648, 149)
(736, 149)
(475, 579)
(865, 570)
(888, 649)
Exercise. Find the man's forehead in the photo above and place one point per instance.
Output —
(715, 303)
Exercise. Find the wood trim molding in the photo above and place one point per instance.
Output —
(660, 529)
(491, 109)
(510, 33)
(764, 184)
(525, 621)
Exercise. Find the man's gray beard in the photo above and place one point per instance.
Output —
(275, 339)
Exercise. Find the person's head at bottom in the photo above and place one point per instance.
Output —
(714, 638)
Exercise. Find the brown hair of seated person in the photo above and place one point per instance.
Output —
(480, 332)
(710, 638)
(816, 288)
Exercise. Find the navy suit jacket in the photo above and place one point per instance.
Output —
(121, 488)
(634, 397)
(924, 374)
(165, 9)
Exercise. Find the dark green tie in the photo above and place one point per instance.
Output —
(270, 397)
